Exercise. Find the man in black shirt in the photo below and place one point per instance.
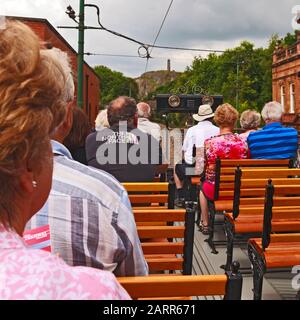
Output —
(124, 151)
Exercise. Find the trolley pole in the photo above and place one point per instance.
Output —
(80, 58)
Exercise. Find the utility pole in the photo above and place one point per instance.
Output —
(80, 58)
(237, 84)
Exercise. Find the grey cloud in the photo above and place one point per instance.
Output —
(191, 23)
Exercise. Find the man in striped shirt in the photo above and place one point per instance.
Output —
(90, 218)
(274, 141)
(88, 211)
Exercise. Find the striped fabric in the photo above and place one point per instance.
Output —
(273, 142)
(90, 218)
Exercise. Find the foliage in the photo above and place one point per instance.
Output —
(289, 39)
(243, 76)
(114, 84)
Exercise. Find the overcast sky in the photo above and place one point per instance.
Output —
(207, 24)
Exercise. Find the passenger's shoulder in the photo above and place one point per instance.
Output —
(290, 129)
(87, 173)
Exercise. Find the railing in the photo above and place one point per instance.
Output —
(292, 50)
(282, 54)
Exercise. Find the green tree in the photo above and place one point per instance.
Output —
(114, 84)
(243, 75)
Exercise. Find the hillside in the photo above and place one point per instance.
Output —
(151, 80)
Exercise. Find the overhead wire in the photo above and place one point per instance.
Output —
(158, 33)
(145, 49)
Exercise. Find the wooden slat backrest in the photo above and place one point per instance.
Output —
(276, 196)
(286, 201)
(227, 178)
(174, 236)
(293, 237)
(280, 190)
(261, 183)
(151, 193)
(148, 198)
(163, 247)
(260, 210)
(146, 187)
(251, 183)
(254, 163)
(260, 173)
(225, 170)
(278, 201)
(286, 189)
(162, 286)
(162, 215)
(149, 232)
(254, 183)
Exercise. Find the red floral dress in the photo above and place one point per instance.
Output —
(225, 146)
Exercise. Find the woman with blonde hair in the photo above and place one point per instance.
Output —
(32, 105)
(226, 145)
(250, 122)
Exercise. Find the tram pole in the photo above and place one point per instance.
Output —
(80, 57)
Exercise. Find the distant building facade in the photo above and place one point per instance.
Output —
(49, 34)
(286, 81)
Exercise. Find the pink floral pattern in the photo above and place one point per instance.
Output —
(226, 146)
(32, 274)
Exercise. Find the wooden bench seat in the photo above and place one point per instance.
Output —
(151, 194)
(279, 254)
(279, 245)
(246, 215)
(224, 186)
(170, 287)
(169, 245)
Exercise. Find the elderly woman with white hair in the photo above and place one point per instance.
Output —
(250, 121)
(274, 141)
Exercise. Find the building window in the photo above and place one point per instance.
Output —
(292, 98)
(282, 96)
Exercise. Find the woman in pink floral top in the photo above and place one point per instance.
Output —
(224, 146)
(33, 103)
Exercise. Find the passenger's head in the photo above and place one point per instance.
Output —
(31, 106)
(122, 109)
(80, 130)
(101, 120)
(226, 116)
(62, 59)
(144, 110)
(272, 112)
(250, 120)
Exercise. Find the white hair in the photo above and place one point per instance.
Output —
(272, 111)
(101, 120)
(63, 60)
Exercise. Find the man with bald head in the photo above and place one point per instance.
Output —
(122, 150)
(144, 124)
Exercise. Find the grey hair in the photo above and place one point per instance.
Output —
(144, 110)
(63, 60)
(272, 111)
(250, 119)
